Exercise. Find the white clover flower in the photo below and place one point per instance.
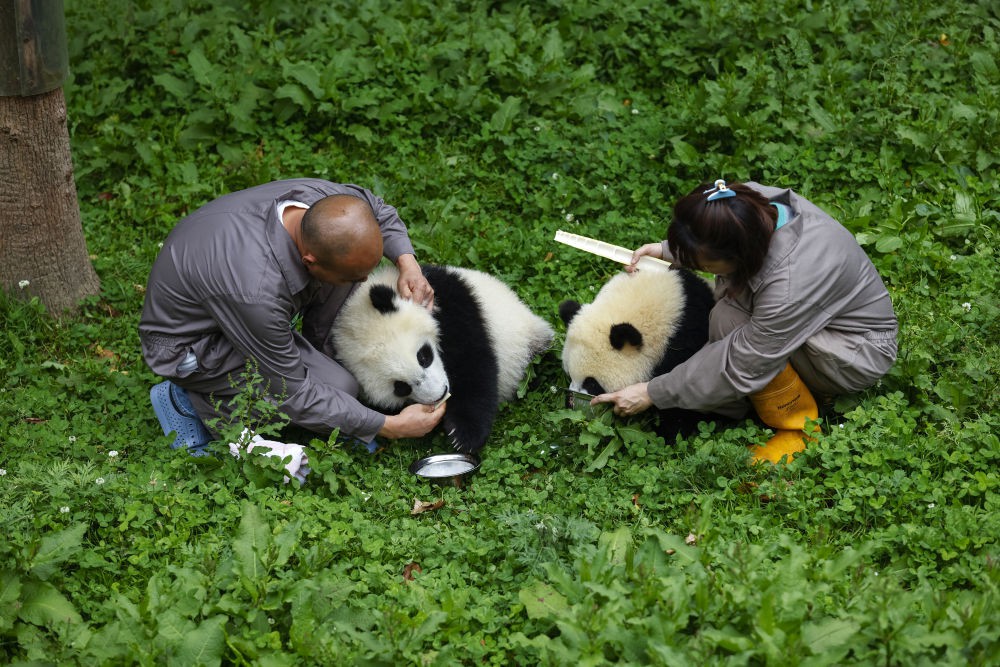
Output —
(3, 471)
(552, 389)
(538, 128)
(160, 244)
(967, 306)
(72, 439)
(555, 176)
(113, 453)
(930, 506)
(99, 481)
(840, 425)
(635, 112)
(569, 217)
(64, 510)
(23, 284)
(953, 258)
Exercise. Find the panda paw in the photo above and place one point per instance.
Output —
(466, 440)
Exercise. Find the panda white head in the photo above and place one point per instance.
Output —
(618, 339)
(390, 345)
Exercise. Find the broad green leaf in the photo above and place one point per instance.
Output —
(286, 540)
(542, 601)
(179, 88)
(361, 133)
(888, 244)
(984, 65)
(503, 118)
(43, 605)
(822, 117)
(829, 634)
(203, 71)
(552, 48)
(601, 459)
(252, 541)
(173, 627)
(10, 591)
(205, 644)
(54, 549)
(306, 74)
(294, 92)
(617, 543)
(685, 152)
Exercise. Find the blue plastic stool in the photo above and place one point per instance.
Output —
(176, 414)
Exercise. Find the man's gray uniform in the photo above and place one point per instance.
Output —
(226, 286)
(817, 302)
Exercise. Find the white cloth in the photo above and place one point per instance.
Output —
(297, 467)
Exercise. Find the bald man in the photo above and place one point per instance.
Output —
(234, 277)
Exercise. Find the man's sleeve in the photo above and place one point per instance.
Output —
(262, 333)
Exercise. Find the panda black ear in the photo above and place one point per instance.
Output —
(568, 310)
(624, 334)
(382, 298)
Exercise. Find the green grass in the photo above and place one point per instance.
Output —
(490, 126)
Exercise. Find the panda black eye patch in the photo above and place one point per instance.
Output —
(425, 355)
(402, 389)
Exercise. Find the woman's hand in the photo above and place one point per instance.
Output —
(627, 402)
(413, 421)
(412, 283)
(650, 250)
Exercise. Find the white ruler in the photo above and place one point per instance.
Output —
(609, 251)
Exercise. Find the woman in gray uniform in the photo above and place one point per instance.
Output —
(800, 308)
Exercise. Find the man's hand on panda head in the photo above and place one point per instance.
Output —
(412, 284)
(627, 402)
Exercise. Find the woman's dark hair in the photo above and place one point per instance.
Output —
(734, 229)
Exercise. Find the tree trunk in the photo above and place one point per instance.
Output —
(42, 249)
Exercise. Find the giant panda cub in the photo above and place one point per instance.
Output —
(639, 325)
(476, 345)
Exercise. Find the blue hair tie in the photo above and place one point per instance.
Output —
(720, 191)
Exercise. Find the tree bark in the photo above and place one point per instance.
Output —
(42, 249)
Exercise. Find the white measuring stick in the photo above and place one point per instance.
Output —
(609, 251)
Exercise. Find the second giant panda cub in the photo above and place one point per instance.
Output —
(639, 325)
(476, 345)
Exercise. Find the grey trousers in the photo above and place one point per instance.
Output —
(830, 363)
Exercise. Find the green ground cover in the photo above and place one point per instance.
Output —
(490, 125)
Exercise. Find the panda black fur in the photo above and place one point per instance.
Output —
(639, 325)
(476, 345)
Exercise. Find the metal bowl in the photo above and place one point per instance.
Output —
(579, 400)
(445, 468)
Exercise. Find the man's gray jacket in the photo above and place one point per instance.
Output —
(227, 285)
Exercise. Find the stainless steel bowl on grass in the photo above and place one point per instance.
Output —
(445, 468)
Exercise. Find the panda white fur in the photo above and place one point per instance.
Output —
(476, 345)
(638, 326)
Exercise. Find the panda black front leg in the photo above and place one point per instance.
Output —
(468, 426)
